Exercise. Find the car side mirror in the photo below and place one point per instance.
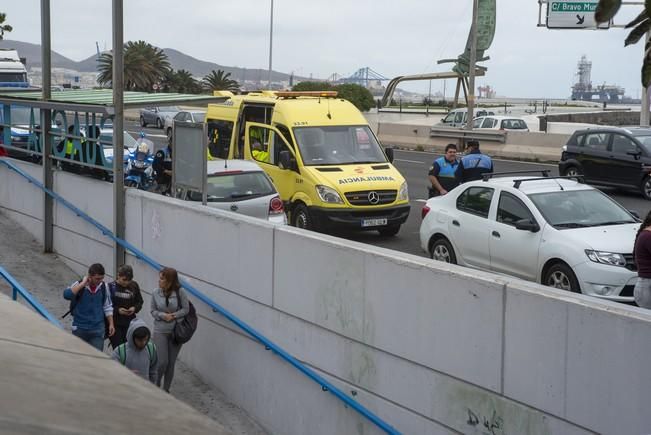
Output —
(286, 161)
(635, 214)
(527, 225)
(635, 154)
(389, 154)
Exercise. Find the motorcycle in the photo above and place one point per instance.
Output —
(139, 171)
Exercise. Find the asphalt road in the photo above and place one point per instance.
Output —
(414, 165)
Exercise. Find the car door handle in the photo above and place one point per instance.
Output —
(496, 234)
(456, 223)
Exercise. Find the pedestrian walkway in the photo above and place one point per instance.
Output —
(45, 276)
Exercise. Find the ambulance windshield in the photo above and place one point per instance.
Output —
(338, 145)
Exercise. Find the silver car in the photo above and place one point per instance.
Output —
(184, 116)
(157, 115)
(240, 186)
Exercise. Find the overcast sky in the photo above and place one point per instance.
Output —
(322, 37)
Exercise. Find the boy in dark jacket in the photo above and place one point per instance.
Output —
(138, 354)
(127, 301)
(91, 303)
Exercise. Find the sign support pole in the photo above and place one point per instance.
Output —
(644, 101)
(472, 65)
(46, 125)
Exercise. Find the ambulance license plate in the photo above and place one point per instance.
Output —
(373, 222)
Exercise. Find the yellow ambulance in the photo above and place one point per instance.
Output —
(320, 153)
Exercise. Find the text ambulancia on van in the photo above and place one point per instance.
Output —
(320, 153)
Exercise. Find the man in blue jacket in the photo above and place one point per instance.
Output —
(442, 172)
(474, 164)
(90, 304)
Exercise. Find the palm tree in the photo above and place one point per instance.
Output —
(220, 81)
(607, 9)
(185, 83)
(4, 27)
(144, 66)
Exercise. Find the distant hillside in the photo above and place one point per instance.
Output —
(33, 54)
(178, 60)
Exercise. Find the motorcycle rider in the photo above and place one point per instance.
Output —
(139, 165)
(163, 168)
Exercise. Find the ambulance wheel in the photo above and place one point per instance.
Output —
(301, 217)
(389, 231)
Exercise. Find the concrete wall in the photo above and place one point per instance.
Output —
(530, 146)
(431, 348)
(608, 117)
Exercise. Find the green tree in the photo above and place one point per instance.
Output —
(4, 27)
(356, 94)
(186, 84)
(312, 86)
(606, 11)
(144, 66)
(220, 81)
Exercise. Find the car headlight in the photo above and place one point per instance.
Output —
(610, 258)
(328, 195)
(403, 193)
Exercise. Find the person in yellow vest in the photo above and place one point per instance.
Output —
(258, 153)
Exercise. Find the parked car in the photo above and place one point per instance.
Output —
(619, 157)
(554, 231)
(157, 115)
(458, 117)
(184, 116)
(240, 186)
(505, 123)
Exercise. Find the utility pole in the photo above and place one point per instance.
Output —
(471, 65)
(118, 128)
(46, 124)
(271, 41)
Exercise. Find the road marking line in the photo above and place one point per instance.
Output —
(409, 161)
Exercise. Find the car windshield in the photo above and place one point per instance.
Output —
(579, 209)
(514, 124)
(645, 141)
(20, 115)
(338, 145)
(234, 186)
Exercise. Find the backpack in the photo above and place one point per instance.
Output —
(122, 352)
(184, 328)
(75, 300)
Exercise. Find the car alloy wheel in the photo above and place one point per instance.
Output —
(441, 253)
(646, 188)
(559, 280)
(159, 123)
(572, 172)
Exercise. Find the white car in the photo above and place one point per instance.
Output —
(505, 123)
(196, 116)
(554, 231)
(459, 117)
(240, 186)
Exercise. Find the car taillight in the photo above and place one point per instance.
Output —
(424, 211)
(276, 206)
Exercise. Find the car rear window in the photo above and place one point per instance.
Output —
(514, 124)
(236, 186)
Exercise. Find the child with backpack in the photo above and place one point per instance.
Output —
(127, 301)
(90, 304)
(138, 354)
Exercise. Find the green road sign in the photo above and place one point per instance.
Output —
(572, 15)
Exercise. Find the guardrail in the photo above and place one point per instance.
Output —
(17, 289)
(268, 344)
(466, 135)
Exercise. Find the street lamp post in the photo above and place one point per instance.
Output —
(471, 64)
(271, 39)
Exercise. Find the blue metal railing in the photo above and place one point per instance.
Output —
(268, 344)
(19, 289)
